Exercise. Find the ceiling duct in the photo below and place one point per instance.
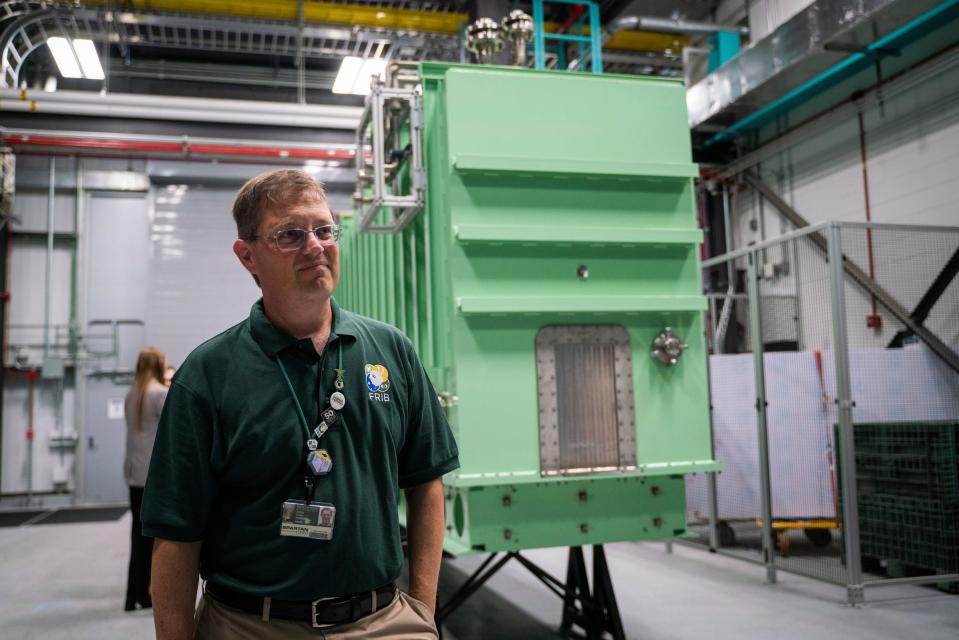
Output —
(779, 70)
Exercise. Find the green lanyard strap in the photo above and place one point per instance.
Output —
(296, 401)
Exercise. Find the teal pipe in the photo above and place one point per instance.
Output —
(928, 22)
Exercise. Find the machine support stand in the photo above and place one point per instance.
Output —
(598, 612)
(593, 610)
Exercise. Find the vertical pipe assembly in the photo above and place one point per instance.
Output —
(712, 493)
(539, 36)
(31, 433)
(728, 235)
(596, 37)
(756, 339)
(48, 273)
(377, 143)
(873, 321)
(847, 448)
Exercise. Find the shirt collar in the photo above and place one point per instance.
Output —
(273, 340)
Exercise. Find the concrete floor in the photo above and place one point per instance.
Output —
(67, 581)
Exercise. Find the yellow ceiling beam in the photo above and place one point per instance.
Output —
(647, 41)
(315, 12)
(375, 17)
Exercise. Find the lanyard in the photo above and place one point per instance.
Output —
(296, 401)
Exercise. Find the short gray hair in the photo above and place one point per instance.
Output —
(279, 188)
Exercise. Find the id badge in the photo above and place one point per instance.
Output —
(301, 520)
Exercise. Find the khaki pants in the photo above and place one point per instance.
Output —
(405, 618)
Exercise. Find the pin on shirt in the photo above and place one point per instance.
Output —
(320, 462)
(311, 444)
(337, 400)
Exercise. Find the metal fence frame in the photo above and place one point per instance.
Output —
(831, 232)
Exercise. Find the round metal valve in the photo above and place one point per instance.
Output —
(484, 40)
(518, 24)
(518, 30)
(667, 347)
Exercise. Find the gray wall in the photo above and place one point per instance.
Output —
(912, 155)
(179, 277)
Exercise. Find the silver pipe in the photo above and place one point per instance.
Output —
(745, 251)
(176, 108)
(668, 25)
(662, 25)
(850, 507)
(48, 272)
(263, 108)
(765, 491)
(728, 228)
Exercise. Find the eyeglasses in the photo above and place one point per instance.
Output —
(295, 239)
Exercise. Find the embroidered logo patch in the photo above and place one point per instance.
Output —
(377, 378)
(378, 382)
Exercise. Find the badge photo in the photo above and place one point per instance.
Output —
(301, 520)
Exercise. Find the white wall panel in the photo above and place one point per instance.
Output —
(912, 155)
(197, 286)
(49, 417)
(28, 263)
(30, 205)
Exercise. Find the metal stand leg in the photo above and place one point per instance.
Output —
(605, 595)
(595, 611)
(468, 588)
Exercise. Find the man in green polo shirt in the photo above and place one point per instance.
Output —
(282, 447)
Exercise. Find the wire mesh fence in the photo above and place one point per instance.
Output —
(809, 356)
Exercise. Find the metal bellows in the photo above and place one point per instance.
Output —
(484, 40)
(518, 30)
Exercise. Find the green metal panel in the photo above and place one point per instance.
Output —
(565, 512)
(532, 175)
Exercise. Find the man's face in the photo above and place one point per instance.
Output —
(311, 272)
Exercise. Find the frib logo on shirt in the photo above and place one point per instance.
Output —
(378, 382)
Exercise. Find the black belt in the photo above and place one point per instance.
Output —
(319, 613)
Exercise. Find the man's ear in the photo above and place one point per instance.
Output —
(242, 250)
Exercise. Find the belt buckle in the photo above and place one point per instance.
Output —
(313, 621)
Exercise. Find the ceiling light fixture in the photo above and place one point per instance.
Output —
(63, 55)
(356, 73)
(89, 60)
(79, 61)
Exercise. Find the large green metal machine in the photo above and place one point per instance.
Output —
(534, 234)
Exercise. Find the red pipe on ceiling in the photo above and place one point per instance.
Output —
(186, 147)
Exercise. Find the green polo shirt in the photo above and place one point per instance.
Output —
(230, 449)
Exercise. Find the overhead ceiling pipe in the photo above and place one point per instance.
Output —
(786, 68)
(669, 25)
(128, 105)
(177, 146)
(661, 25)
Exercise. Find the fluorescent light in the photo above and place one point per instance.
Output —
(371, 67)
(346, 77)
(67, 58)
(63, 56)
(89, 60)
(355, 74)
